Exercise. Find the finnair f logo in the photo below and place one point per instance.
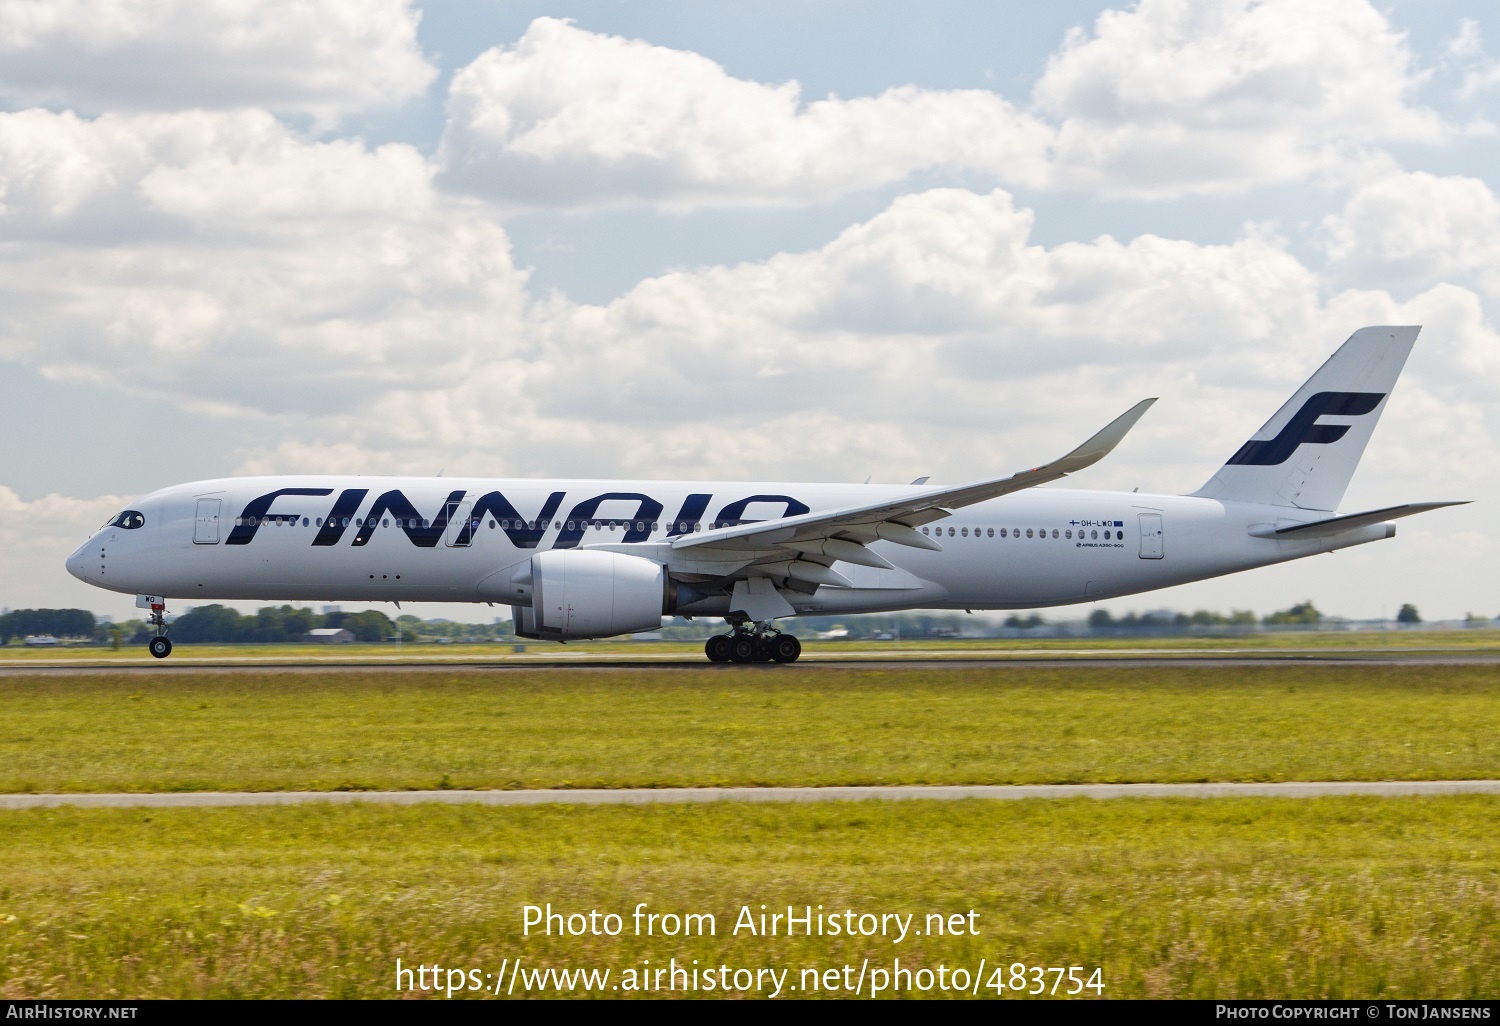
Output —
(1304, 427)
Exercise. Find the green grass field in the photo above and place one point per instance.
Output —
(1414, 641)
(374, 729)
(1331, 897)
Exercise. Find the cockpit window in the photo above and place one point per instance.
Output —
(129, 520)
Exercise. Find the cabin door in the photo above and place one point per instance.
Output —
(1153, 545)
(206, 523)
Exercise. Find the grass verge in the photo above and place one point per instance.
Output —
(747, 726)
(1329, 897)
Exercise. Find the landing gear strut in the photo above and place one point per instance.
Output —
(751, 642)
(161, 645)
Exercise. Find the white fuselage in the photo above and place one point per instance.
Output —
(210, 540)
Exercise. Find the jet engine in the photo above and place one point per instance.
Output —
(586, 593)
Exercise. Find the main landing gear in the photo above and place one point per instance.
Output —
(161, 645)
(751, 642)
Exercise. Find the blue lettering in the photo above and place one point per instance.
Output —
(734, 513)
(647, 510)
(523, 534)
(690, 513)
(338, 518)
(422, 532)
(254, 513)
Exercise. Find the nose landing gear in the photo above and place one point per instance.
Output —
(161, 645)
(751, 642)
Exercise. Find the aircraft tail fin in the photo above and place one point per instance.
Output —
(1305, 455)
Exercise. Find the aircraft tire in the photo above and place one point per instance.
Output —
(785, 648)
(160, 647)
(717, 648)
(743, 649)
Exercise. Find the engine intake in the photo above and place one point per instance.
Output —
(584, 593)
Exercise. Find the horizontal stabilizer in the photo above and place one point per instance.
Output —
(1338, 525)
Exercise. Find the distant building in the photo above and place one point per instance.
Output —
(330, 636)
(36, 640)
(332, 609)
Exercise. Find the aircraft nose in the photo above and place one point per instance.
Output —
(75, 563)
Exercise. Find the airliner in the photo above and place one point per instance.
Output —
(579, 559)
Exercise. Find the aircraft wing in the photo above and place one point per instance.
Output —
(828, 535)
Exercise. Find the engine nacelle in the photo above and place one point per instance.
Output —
(586, 593)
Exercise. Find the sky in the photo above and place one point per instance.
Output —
(813, 241)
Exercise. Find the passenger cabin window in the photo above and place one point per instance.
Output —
(128, 520)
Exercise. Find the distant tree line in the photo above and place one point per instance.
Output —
(414, 628)
(60, 623)
(270, 624)
(1101, 619)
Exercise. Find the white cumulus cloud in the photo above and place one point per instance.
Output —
(218, 259)
(569, 117)
(119, 176)
(318, 57)
(1213, 96)
(1164, 99)
(1417, 228)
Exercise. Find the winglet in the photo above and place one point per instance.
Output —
(1102, 444)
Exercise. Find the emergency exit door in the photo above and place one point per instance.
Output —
(1153, 546)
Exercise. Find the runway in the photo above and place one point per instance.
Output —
(1019, 660)
(650, 796)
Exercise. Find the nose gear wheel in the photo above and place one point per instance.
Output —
(160, 646)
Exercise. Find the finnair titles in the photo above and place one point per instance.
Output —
(591, 559)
